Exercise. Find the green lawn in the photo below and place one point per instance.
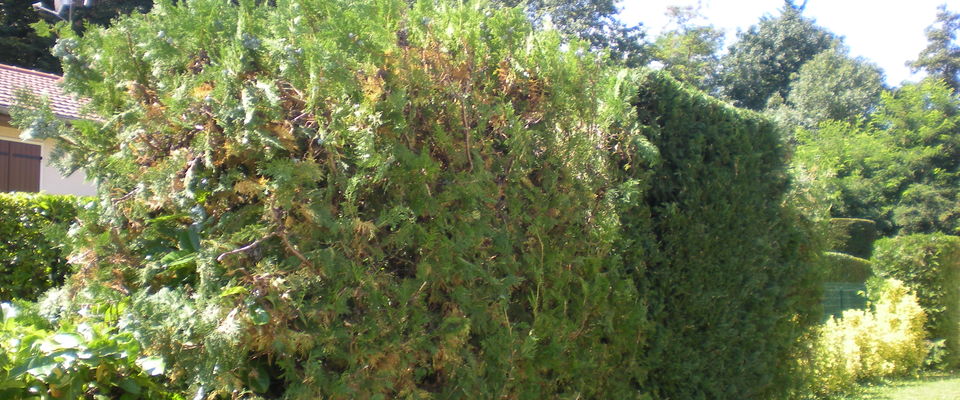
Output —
(935, 386)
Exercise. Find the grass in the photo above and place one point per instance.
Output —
(932, 386)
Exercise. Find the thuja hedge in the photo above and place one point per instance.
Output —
(930, 265)
(730, 285)
(32, 227)
(306, 200)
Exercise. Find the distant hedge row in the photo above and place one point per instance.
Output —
(32, 227)
(310, 202)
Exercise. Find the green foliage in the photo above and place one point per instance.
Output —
(763, 60)
(853, 236)
(832, 86)
(899, 168)
(941, 57)
(31, 257)
(318, 201)
(306, 200)
(887, 341)
(83, 361)
(19, 44)
(595, 21)
(842, 267)
(930, 263)
(731, 285)
(101, 12)
(689, 52)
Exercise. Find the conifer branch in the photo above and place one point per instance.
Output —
(246, 248)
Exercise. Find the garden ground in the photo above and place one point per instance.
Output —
(933, 386)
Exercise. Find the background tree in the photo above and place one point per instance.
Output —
(900, 168)
(592, 20)
(689, 51)
(941, 57)
(764, 58)
(831, 86)
(19, 44)
(103, 11)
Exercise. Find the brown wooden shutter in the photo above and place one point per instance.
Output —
(21, 165)
(4, 166)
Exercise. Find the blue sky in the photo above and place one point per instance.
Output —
(887, 32)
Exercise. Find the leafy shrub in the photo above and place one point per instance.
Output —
(87, 360)
(929, 263)
(33, 227)
(868, 344)
(731, 284)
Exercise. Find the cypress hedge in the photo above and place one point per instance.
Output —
(32, 227)
(306, 200)
(730, 286)
(930, 265)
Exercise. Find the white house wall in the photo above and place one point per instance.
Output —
(51, 181)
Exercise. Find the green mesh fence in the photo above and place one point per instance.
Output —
(840, 296)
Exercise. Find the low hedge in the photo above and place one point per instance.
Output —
(31, 259)
(853, 236)
(842, 267)
(930, 264)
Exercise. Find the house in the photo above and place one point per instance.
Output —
(24, 164)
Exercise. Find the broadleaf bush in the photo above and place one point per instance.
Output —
(33, 228)
(83, 361)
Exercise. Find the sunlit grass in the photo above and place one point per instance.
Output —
(932, 386)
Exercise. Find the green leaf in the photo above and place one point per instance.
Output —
(152, 366)
(258, 380)
(36, 366)
(230, 291)
(67, 340)
(190, 238)
(131, 386)
(178, 258)
(259, 316)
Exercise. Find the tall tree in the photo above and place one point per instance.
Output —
(760, 64)
(104, 11)
(941, 57)
(689, 51)
(592, 20)
(832, 86)
(901, 167)
(19, 44)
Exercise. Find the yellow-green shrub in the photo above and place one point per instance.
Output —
(865, 344)
(930, 264)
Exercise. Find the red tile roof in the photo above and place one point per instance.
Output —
(41, 84)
